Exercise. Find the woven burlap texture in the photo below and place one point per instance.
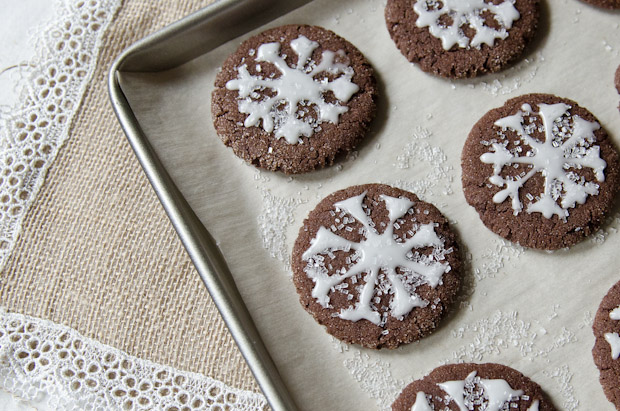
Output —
(97, 252)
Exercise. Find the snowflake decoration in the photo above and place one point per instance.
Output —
(376, 258)
(473, 392)
(299, 89)
(434, 14)
(568, 146)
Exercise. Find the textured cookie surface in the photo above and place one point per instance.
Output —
(476, 387)
(606, 4)
(293, 98)
(606, 349)
(462, 39)
(376, 266)
(540, 171)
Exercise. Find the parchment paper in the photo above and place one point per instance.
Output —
(528, 309)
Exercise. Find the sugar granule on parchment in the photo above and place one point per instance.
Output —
(277, 214)
(375, 378)
(434, 159)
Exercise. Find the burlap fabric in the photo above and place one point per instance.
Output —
(97, 252)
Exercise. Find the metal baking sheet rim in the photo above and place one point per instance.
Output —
(170, 47)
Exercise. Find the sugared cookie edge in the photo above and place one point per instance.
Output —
(526, 212)
(606, 349)
(336, 103)
(454, 384)
(400, 308)
(447, 52)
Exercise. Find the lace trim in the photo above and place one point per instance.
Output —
(53, 85)
(41, 359)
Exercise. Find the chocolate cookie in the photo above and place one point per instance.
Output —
(606, 4)
(617, 81)
(461, 39)
(540, 171)
(376, 266)
(294, 97)
(476, 387)
(607, 345)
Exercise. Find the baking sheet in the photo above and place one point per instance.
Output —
(528, 309)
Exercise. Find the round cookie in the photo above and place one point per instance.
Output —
(606, 348)
(294, 97)
(477, 387)
(462, 39)
(606, 4)
(540, 171)
(376, 266)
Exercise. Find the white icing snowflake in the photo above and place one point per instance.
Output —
(568, 146)
(376, 258)
(473, 391)
(298, 90)
(445, 20)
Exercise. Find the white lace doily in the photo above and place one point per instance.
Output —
(43, 362)
(50, 87)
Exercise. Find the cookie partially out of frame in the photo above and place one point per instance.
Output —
(462, 39)
(606, 4)
(293, 98)
(376, 266)
(617, 81)
(540, 171)
(606, 350)
(476, 387)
